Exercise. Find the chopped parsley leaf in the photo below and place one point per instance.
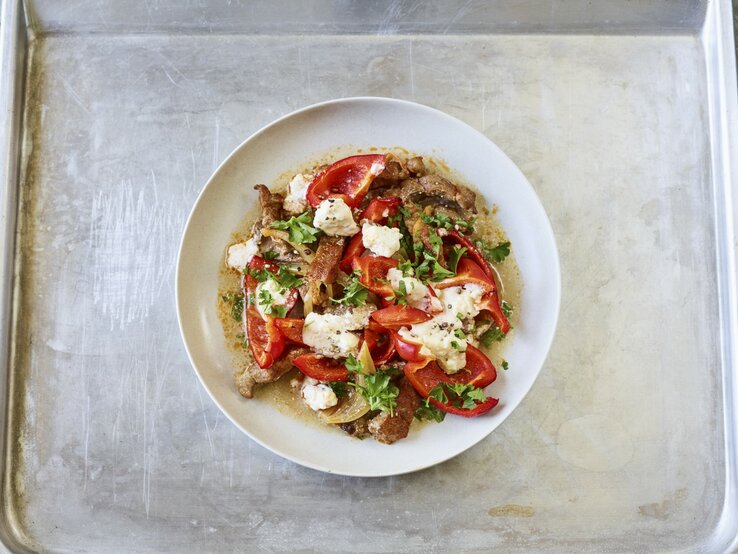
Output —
(377, 390)
(407, 268)
(505, 365)
(493, 334)
(267, 300)
(354, 293)
(453, 258)
(300, 228)
(339, 388)
(270, 255)
(429, 413)
(495, 254)
(236, 300)
(458, 395)
(443, 221)
(401, 294)
(284, 277)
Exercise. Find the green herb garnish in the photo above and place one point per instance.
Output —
(443, 221)
(495, 254)
(429, 413)
(353, 365)
(354, 293)
(458, 395)
(407, 268)
(270, 254)
(504, 365)
(401, 293)
(377, 390)
(284, 277)
(288, 279)
(300, 228)
(339, 388)
(236, 300)
(454, 256)
(506, 308)
(493, 334)
(266, 300)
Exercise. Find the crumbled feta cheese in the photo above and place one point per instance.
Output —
(382, 240)
(239, 255)
(316, 395)
(418, 295)
(330, 334)
(334, 218)
(275, 291)
(462, 300)
(295, 201)
(438, 335)
(376, 168)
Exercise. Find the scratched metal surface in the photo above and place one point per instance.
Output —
(116, 447)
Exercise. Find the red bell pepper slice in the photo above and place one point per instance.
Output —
(409, 351)
(424, 374)
(394, 317)
(321, 368)
(481, 407)
(265, 340)
(374, 212)
(291, 328)
(377, 208)
(470, 270)
(467, 272)
(471, 251)
(348, 179)
(354, 249)
(380, 343)
(373, 270)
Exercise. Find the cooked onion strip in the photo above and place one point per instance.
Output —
(354, 406)
(351, 409)
(307, 302)
(305, 252)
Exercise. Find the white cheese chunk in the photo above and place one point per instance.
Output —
(438, 336)
(382, 240)
(334, 218)
(239, 255)
(462, 300)
(274, 292)
(317, 395)
(418, 295)
(330, 334)
(295, 201)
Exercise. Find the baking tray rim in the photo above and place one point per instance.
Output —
(16, 38)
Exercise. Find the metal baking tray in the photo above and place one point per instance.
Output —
(621, 114)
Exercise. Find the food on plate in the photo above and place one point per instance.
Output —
(372, 287)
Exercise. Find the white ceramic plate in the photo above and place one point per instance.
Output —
(364, 122)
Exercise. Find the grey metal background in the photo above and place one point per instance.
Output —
(113, 446)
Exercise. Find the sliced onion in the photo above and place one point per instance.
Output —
(367, 363)
(351, 409)
(307, 302)
(354, 406)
